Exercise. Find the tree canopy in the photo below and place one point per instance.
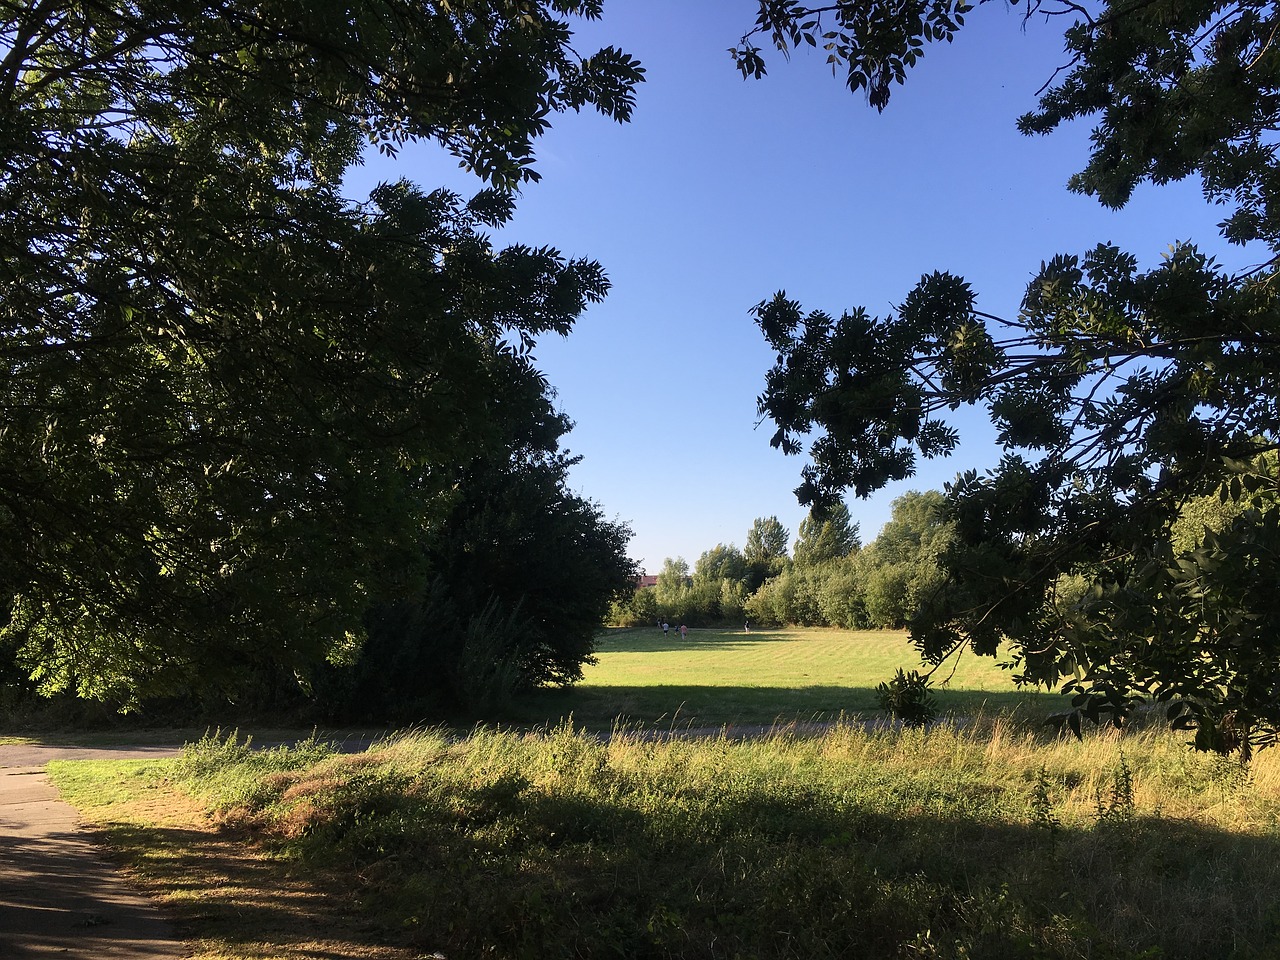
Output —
(766, 541)
(234, 399)
(825, 535)
(1120, 394)
(721, 563)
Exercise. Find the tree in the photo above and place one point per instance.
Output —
(719, 584)
(1120, 395)
(917, 527)
(792, 596)
(721, 563)
(766, 541)
(898, 573)
(637, 607)
(234, 400)
(825, 536)
(765, 550)
(515, 584)
(673, 589)
(840, 597)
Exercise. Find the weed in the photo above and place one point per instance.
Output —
(1042, 813)
(231, 774)
(1118, 806)
(1232, 774)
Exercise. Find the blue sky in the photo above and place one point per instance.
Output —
(722, 191)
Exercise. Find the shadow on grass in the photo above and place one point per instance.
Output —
(217, 887)
(795, 878)
(598, 707)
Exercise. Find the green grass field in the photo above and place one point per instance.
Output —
(986, 839)
(990, 841)
(719, 677)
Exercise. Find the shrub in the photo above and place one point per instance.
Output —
(906, 697)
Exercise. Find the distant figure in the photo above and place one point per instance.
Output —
(665, 627)
(747, 626)
(684, 632)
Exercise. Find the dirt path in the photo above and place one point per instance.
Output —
(58, 896)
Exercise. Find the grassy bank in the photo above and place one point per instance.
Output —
(985, 841)
(718, 677)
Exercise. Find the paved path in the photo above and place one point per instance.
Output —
(58, 897)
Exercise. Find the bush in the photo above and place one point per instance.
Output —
(906, 697)
(638, 610)
(488, 671)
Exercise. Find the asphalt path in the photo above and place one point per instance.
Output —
(58, 896)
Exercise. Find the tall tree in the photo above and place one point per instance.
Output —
(233, 398)
(674, 589)
(765, 550)
(721, 563)
(766, 541)
(1120, 394)
(719, 584)
(825, 535)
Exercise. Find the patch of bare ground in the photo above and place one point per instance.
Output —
(231, 897)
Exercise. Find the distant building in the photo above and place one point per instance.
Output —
(645, 580)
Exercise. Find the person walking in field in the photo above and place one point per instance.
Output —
(746, 627)
(665, 627)
(684, 632)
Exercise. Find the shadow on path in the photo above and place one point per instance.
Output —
(58, 897)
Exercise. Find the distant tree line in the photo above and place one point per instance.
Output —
(828, 579)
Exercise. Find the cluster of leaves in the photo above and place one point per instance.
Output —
(876, 43)
(1121, 395)
(233, 399)
(907, 698)
(1193, 628)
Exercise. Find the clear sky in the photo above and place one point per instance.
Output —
(722, 191)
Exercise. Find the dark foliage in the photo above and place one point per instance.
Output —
(517, 580)
(232, 398)
(1121, 395)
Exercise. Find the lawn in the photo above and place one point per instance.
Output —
(719, 677)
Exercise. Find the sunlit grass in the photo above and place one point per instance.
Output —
(987, 840)
(233, 898)
(981, 836)
(718, 677)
